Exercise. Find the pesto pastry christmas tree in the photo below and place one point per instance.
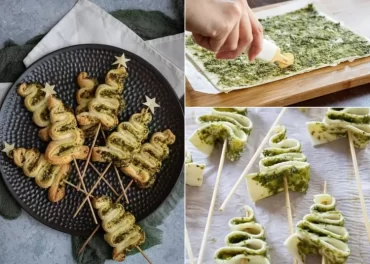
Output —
(229, 124)
(321, 232)
(283, 158)
(104, 106)
(36, 101)
(246, 242)
(35, 165)
(338, 122)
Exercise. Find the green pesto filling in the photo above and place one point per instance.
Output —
(311, 38)
(358, 119)
(298, 179)
(235, 147)
(240, 110)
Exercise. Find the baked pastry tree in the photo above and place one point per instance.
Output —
(35, 165)
(36, 101)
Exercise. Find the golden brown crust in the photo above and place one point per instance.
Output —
(107, 102)
(67, 139)
(84, 95)
(127, 140)
(57, 188)
(148, 161)
(121, 231)
(36, 103)
(46, 175)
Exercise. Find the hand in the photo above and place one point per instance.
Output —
(226, 27)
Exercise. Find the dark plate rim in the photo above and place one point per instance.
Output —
(47, 57)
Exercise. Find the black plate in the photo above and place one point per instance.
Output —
(61, 68)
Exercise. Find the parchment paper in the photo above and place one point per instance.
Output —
(203, 81)
(331, 162)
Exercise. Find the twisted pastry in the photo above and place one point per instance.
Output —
(46, 175)
(338, 122)
(321, 232)
(67, 139)
(246, 241)
(283, 158)
(35, 102)
(146, 163)
(121, 231)
(223, 124)
(127, 140)
(107, 102)
(84, 95)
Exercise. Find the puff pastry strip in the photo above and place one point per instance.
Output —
(148, 161)
(121, 231)
(46, 175)
(283, 158)
(67, 139)
(229, 124)
(338, 122)
(321, 232)
(107, 102)
(123, 143)
(245, 242)
(36, 103)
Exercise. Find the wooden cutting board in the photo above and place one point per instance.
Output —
(355, 15)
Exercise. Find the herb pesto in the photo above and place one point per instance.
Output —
(313, 40)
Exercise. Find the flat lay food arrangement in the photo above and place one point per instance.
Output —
(98, 133)
(185, 132)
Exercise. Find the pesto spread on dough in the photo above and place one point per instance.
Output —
(312, 39)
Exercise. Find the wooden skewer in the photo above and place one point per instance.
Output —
(323, 260)
(99, 225)
(84, 188)
(118, 175)
(92, 189)
(253, 159)
(90, 152)
(212, 206)
(188, 247)
(244, 261)
(75, 186)
(288, 207)
(145, 256)
(104, 179)
(121, 184)
(359, 186)
(289, 210)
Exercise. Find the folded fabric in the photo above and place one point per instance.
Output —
(85, 19)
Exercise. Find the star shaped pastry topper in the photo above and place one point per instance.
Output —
(151, 103)
(121, 61)
(49, 90)
(7, 148)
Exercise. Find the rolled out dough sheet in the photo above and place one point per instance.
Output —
(208, 82)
